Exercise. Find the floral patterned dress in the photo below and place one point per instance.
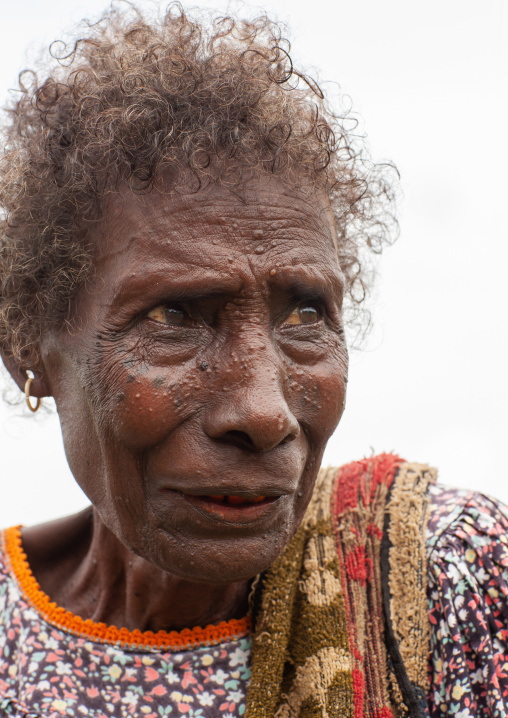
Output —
(468, 605)
(54, 664)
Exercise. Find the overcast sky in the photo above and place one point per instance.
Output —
(429, 82)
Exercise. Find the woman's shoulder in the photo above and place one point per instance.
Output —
(13, 604)
(457, 512)
(467, 548)
(5, 563)
(10, 594)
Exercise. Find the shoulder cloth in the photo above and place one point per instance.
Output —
(340, 618)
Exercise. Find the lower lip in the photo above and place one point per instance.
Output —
(243, 513)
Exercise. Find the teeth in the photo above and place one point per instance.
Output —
(233, 500)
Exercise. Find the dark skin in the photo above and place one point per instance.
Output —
(196, 395)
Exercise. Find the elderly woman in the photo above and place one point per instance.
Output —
(183, 215)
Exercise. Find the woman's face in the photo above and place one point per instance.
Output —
(205, 374)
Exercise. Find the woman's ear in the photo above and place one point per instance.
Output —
(39, 387)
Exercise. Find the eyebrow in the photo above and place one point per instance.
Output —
(174, 286)
(169, 284)
(306, 280)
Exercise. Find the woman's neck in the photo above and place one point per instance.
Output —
(83, 567)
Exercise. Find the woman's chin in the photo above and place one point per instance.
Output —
(220, 561)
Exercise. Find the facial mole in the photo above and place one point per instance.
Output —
(120, 396)
(203, 366)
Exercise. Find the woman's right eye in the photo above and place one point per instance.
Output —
(174, 316)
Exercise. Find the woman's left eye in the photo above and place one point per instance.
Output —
(171, 315)
(305, 314)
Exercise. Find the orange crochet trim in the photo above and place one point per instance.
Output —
(187, 639)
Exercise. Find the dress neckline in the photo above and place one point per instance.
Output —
(172, 641)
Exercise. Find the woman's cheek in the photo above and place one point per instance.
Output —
(318, 394)
(146, 408)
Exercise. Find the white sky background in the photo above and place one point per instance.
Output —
(430, 83)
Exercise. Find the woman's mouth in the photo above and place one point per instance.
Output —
(233, 500)
(232, 507)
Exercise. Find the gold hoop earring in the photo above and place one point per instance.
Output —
(28, 384)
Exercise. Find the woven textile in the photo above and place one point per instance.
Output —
(321, 633)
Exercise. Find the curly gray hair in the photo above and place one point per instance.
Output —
(135, 97)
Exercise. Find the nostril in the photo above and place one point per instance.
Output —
(242, 439)
(239, 438)
(290, 437)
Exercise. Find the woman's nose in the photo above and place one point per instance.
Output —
(255, 416)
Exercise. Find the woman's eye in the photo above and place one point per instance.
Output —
(306, 314)
(173, 316)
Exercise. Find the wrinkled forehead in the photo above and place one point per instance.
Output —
(261, 214)
(268, 238)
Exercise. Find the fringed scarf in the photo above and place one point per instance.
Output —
(341, 627)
